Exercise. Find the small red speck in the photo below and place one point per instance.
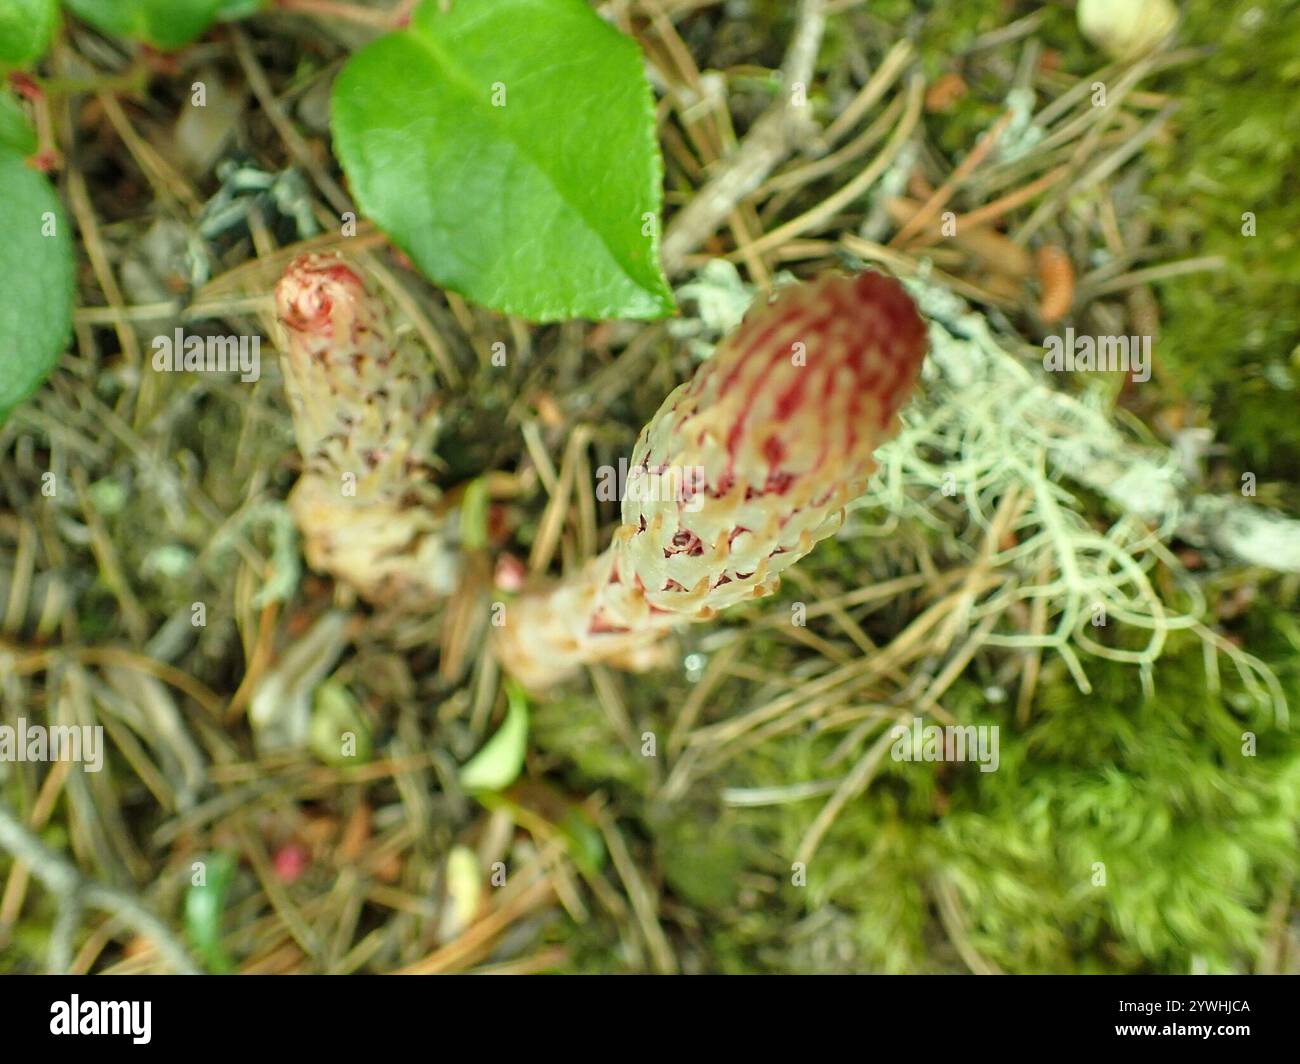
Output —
(290, 862)
(778, 483)
(509, 573)
(160, 62)
(600, 626)
(25, 86)
(46, 161)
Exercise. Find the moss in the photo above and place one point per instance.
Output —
(1141, 824)
(1119, 834)
(575, 730)
(1232, 338)
(702, 859)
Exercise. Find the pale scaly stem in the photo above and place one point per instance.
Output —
(365, 416)
(741, 472)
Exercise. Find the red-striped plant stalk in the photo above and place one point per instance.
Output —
(365, 416)
(741, 472)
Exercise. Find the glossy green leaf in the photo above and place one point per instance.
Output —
(26, 27)
(509, 147)
(499, 763)
(163, 23)
(36, 280)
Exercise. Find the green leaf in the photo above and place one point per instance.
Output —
(176, 23)
(339, 734)
(165, 24)
(204, 904)
(230, 10)
(36, 279)
(121, 18)
(16, 133)
(26, 27)
(509, 147)
(474, 515)
(500, 761)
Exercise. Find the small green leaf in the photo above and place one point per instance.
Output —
(205, 902)
(339, 733)
(36, 281)
(26, 27)
(499, 763)
(509, 147)
(474, 515)
(463, 883)
(16, 133)
(165, 24)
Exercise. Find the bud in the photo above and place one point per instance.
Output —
(768, 450)
(364, 413)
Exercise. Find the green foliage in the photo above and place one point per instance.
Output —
(1156, 795)
(36, 276)
(1237, 150)
(498, 764)
(1192, 830)
(509, 147)
(165, 24)
(702, 859)
(576, 731)
(26, 27)
(205, 903)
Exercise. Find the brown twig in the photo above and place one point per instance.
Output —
(767, 144)
(944, 192)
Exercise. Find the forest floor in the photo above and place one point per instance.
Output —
(1144, 812)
